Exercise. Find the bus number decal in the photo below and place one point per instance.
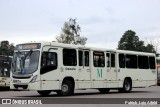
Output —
(99, 73)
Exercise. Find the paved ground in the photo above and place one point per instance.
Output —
(80, 95)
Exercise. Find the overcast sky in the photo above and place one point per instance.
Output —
(103, 22)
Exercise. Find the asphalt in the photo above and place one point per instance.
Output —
(88, 98)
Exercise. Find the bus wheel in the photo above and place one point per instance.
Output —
(104, 90)
(44, 92)
(66, 89)
(127, 86)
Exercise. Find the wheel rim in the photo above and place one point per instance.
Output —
(127, 86)
(64, 88)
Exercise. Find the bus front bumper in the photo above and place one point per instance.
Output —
(25, 86)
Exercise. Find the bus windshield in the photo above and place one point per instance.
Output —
(25, 62)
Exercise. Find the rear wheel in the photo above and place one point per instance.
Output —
(44, 92)
(104, 90)
(67, 88)
(127, 86)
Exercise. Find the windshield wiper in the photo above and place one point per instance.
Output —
(22, 59)
(28, 54)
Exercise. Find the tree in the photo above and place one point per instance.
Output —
(6, 48)
(11, 49)
(71, 33)
(150, 48)
(155, 43)
(130, 41)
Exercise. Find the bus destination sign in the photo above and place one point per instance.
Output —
(28, 46)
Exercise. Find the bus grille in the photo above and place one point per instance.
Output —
(20, 86)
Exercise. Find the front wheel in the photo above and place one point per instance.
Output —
(66, 89)
(127, 86)
(44, 92)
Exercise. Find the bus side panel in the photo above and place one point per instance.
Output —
(139, 77)
(50, 85)
(67, 71)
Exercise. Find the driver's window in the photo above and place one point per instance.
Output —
(48, 62)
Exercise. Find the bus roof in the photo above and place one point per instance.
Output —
(135, 52)
(44, 43)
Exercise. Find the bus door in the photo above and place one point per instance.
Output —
(98, 69)
(111, 66)
(84, 69)
(49, 67)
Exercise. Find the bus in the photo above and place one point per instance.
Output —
(5, 68)
(64, 68)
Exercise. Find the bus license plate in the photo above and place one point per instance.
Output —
(16, 81)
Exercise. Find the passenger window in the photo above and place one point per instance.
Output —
(112, 60)
(108, 59)
(86, 58)
(131, 61)
(80, 53)
(48, 62)
(122, 61)
(98, 59)
(143, 62)
(152, 62)
(69, 57)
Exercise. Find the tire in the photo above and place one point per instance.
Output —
(104, 90)
(127, 86)
(66, 89)
(44, 92)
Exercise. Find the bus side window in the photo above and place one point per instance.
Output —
(98, 59)
(112, 60)
(143, 62)
(131, 61)
(108, 59)
(48, 62)
(80, 56)
(86, 58)
(152, 62)
(69, 57)
(122, 61)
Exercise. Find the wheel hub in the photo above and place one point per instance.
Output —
(127, 86)
(64, 88)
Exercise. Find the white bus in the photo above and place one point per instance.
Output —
(63, 68)
(5, 67)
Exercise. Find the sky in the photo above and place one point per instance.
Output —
(103, 22)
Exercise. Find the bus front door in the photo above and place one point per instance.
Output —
(49, 73)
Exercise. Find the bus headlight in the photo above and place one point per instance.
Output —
(33, 79)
